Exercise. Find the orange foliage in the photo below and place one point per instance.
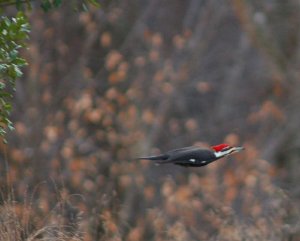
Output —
(267, 110)
(103, 99)
(135, 234)
(179, 42)
(203, 87)
(105, 39)
(113, 59)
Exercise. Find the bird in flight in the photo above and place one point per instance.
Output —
(194, 156)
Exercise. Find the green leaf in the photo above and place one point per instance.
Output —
(84, 7)
(13, 54)
(2, 86)
(3, 68)
(95, 3)
(57, 3)
(13, 34)
(7, 22)
(18, 71)
(20, 62)
(4, 32)
(19, 4)
(46, 5)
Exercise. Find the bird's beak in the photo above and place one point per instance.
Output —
(238, 149)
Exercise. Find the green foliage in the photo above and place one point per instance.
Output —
(13, 34)
(48, 5)
(77, 4)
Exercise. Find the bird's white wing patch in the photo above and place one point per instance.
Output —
(222, 153)
(192, 160)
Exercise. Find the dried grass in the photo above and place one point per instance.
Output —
(16, 226)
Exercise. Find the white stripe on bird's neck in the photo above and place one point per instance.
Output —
(222, 153)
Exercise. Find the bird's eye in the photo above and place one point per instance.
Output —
(226, 148)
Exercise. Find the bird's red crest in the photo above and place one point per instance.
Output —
(220, 147)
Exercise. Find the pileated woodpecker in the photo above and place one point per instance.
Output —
(194, 156)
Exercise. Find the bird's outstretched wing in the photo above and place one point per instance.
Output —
(181, 154)
(190, 154)
(184, 149)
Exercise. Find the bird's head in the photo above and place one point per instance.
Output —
(222, 150)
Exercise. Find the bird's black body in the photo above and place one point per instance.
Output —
(188, 156)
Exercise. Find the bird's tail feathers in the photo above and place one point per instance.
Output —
(158, 159)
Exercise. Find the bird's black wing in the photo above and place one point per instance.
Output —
(167, 157)
(186, 156)
(192, 157)
(184, 149)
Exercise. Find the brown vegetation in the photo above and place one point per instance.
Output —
(140, 77)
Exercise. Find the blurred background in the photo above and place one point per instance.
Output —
(140, 77)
